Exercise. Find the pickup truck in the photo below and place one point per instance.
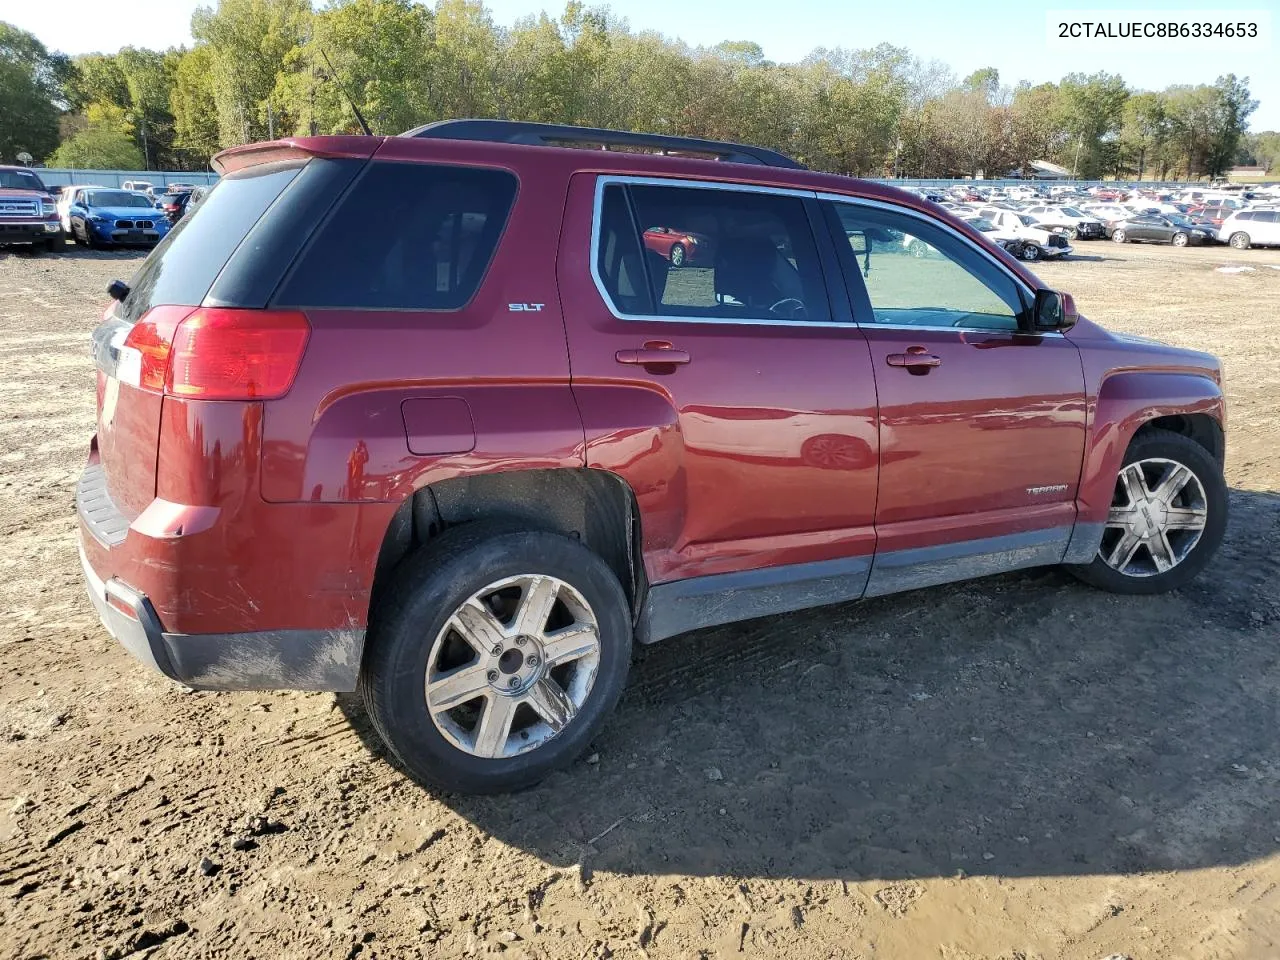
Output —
(28, 212)
(1037, 241)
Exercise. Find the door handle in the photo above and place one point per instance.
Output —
(916, 359)
(654, 353)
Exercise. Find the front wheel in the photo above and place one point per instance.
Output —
(1118, 236)
(494, 656)
(677, 255)
(1167, 517)
(57, 243)
(1030, 253)
(1181, 239)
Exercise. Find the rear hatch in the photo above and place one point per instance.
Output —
(227, 253)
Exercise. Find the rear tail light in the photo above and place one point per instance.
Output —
(218, 353)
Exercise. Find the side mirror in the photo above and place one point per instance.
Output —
(117, 289)
(1054, 311)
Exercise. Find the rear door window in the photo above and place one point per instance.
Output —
(714, 254)
(428, 250)
(185, 263)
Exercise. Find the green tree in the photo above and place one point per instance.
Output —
(249, 41)
(195, 112)
(1230, 119)
(1144, 128)
(1090, 113)
(31, 81)
(105, 143)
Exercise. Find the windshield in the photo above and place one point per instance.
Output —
(982, 224)
(115, 198)
(1072, 212)
(1027, 221)
(20, 180)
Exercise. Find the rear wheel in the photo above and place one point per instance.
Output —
(494, 657)
(918, 249)
(1240, 240)
(1167, 517)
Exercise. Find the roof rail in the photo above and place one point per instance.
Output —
(555, 134)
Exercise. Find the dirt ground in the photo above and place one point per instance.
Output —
(1019, 767)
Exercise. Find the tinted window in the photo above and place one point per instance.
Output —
(724, 254)
(1245, 216)
(20, 180)
(619, 262)
(916, 273)
(185, 263)
(115, 198)
(1267, 216)
(427, 250)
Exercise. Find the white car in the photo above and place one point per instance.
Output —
(1037, 242)
(1077, 221)
(67, 197)
(143, 186)
(1251, 228)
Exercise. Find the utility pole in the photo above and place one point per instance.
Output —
(1075, 164)
(271, 123)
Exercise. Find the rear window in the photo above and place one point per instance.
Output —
(185, 263)
(428, 250)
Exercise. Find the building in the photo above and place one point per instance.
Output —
(1041, 170)
(1246, 173)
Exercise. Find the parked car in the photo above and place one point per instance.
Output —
(469, 497)
(1153, 228)
(107, 217)
(1248, 228)
(67, 197)
(1217, 214)
(680, 247)
(174, 205)
(28, 212)
(1038, 241)
(1078, 224)
(142, 186)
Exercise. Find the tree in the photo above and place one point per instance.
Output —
(248, 42)
(195, 112)
(105, 143)
(1230, 118)
(31, 81)
(1090, 113)
(1144, 128)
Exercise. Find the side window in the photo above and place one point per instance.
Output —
(1245, 216)
(431, 255)
(619, 263)
(917, 273)
(1267, 216)
(711, 253)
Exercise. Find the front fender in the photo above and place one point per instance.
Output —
(1125, 401)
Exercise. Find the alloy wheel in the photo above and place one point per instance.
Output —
(1157, 517)
(512, 666)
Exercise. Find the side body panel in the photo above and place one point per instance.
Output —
(341, 434)
(724, 453)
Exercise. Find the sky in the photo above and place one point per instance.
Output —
(1014, 38)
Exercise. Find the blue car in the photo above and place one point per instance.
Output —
(102, 217)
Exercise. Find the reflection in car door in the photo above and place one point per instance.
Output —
(982, 421)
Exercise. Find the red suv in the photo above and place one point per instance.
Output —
(462, 457)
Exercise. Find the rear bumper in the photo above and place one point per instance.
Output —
(259, 611)
(274, 660)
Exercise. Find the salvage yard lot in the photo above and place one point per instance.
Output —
(1017, 767)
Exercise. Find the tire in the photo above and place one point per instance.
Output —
(1157, 448)
(918, 249)
(1118, 236)
(678, 255)
(1030, 253)
(58, 243)
(412, 627)
(1240, 240)
(1181, 239)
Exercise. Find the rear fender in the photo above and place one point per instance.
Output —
(1124, 403)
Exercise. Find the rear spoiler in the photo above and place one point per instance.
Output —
(294, 148)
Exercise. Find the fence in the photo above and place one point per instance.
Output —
(114, 178)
